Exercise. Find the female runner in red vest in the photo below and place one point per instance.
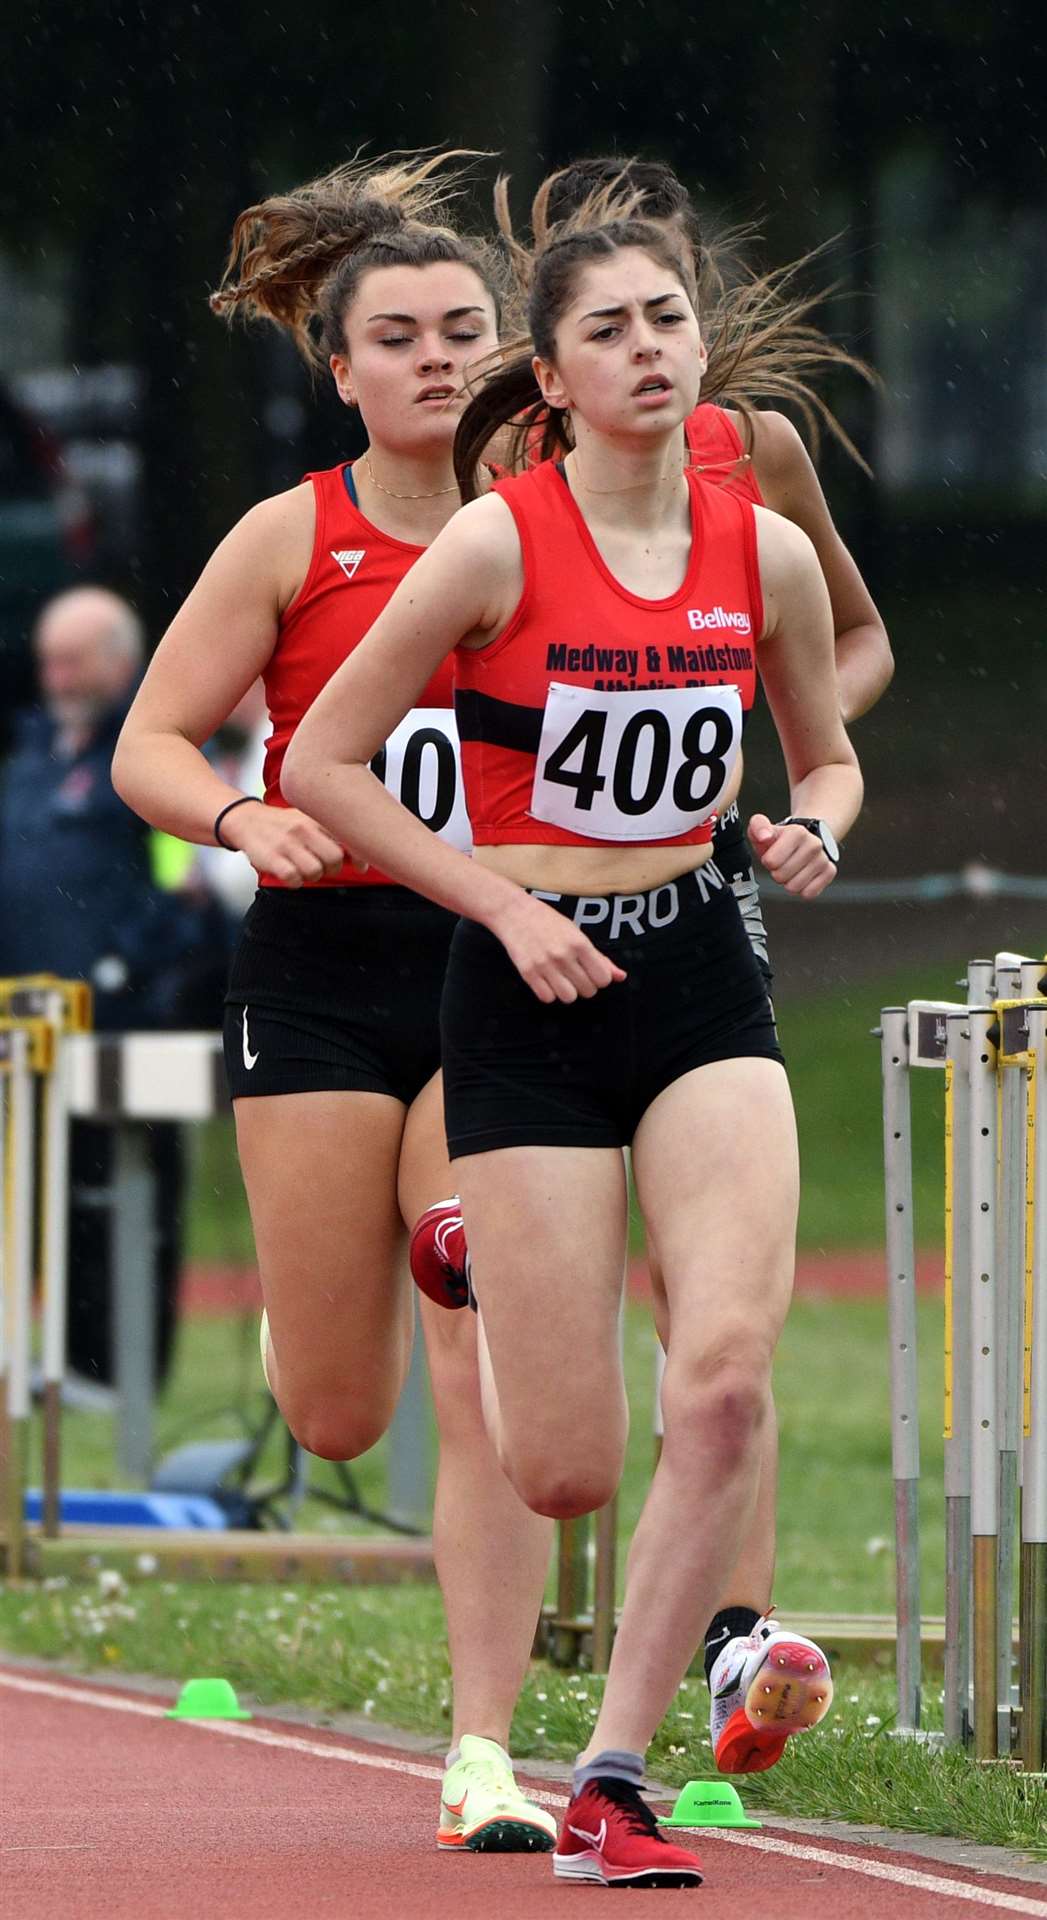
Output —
(601, 990)
(332, 1018)
(759, 455)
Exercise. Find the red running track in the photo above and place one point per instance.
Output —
(210, 1289)
(115, 1813)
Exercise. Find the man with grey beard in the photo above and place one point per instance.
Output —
(77, 899)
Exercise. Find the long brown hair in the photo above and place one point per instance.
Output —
(297, 258)
(757, 328)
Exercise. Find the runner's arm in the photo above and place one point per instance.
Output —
(795, 658)
(218, 643)
(790, 485)
(464, 587)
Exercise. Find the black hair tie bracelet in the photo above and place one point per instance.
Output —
(242, 802)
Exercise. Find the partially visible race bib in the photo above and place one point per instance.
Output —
(646, 765)
(420, 765)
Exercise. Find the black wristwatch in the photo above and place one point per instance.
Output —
(820, 831)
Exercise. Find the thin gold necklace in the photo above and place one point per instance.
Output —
(435, 495)
(635, 486)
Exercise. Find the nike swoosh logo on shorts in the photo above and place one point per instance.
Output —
(250, 1059)
(595, 1839)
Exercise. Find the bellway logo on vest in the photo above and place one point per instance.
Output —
(348, 559)
(699, 622)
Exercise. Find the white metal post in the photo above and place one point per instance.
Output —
(54, 1254)
(1010, 1238)
(957, 1384)
(17, 1284)
(1033, 1674)
(984, 1464)
(901, 1314)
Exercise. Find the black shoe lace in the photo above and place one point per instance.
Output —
(637, 1815)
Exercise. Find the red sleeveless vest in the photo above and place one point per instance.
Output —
(577, 627)
(352, 575)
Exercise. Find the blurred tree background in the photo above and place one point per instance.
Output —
(916, 136)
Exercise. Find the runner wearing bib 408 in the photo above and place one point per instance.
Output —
(601, 991)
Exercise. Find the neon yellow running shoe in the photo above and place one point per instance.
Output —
(483, 1809)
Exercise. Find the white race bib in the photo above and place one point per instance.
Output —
(645, 765)
(420, 765)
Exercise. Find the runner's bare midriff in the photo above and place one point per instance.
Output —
(592, 870)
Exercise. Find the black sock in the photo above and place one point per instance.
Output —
(723, 1627)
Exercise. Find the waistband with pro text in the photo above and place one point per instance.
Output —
(617, 916)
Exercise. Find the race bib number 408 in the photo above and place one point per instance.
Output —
(420, 765)
(646, 765)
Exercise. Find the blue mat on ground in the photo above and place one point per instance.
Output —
(86, 1508)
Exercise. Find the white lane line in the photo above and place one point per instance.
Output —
(881, 1870)
(292, 1743)
(242, 1730)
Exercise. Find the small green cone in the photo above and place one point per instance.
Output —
(708, 1803)
(208, 1700)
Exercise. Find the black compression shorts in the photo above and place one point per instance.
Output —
(336, 989)
(518, 1073)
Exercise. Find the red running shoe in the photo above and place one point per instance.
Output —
(439, 1257)
(611, 1836)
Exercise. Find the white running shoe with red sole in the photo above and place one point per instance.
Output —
(764, 1687)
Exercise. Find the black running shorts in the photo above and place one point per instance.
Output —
(519, 1073)
(336, 989)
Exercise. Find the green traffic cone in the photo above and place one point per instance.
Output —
(208, 1700)
(708, 1803)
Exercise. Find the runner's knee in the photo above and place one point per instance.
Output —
(336, 1426)
(717, 1402)
(566, 1493)
(564, 1481)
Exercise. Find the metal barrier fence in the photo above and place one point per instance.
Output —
(992, 1053)
(40, 1018)
(53, 1070)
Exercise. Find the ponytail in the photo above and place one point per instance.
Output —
(296, 259)
(757, 327)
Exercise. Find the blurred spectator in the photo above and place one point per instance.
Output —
(80, 901)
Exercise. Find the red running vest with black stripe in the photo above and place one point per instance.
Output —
(353, 573)
(575, 624)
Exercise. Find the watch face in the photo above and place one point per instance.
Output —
(828, 841)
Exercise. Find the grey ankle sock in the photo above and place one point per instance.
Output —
(453, 1758)
(614, 1763)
